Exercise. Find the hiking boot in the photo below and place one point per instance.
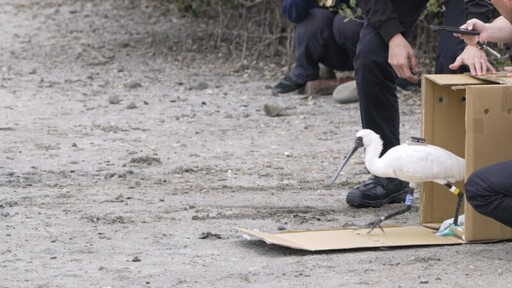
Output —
(287, 85)
(377, 192)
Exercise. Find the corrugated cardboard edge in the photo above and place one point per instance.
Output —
(498, 77)
(273, 238)
(434, 226)
(352, 238)
(442, 114)
(462, 81)
(455, 79)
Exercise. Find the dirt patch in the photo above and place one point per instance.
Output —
(125, 164)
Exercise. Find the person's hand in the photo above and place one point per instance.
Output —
(509, 70)
(475, 25)
(402, 58)
(475, 59)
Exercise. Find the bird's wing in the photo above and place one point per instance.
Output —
(419, 163)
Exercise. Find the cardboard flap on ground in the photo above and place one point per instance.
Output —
(350, 238)
(474, 123)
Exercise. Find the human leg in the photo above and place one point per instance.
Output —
(449, 47)
(375, 80)
(378, 102)
(340, 54)
(489, 191)
(376, 85)
(312, 36)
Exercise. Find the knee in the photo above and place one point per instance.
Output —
(470, 188)
(346, 31)
(477, 192)
(367, 58)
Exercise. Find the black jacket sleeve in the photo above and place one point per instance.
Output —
(479, 9)
(380, 14)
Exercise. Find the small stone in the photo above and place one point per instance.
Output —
(346, 93)
(132, 84)
(199, 86)
(273, 110)
(136, 259)
(209, 235)
(132, 105)
(110, 175)
(114, 99)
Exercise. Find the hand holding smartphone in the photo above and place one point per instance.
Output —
(454, 29)
(463, 31)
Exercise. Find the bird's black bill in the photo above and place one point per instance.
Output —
(357, 144)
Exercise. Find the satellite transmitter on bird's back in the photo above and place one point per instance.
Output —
(417, 141)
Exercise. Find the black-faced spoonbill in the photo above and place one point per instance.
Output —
(414, 162)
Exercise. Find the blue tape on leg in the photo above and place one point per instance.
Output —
(409, 200)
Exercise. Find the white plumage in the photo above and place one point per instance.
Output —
(412, 162)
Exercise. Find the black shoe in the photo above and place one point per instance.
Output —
(287, 85)
(377, 192)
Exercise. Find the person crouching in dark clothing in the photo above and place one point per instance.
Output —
(322, 35)
(489, 191)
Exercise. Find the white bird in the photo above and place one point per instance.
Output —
(414, 162)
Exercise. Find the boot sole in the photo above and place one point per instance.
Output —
(299, 91)
(354, 199)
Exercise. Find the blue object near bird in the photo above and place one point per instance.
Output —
(414, 162)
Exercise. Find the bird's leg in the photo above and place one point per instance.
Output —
(409, 200)
(460, 197)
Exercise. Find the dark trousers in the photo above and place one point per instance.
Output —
(327, 38)
(489, 191)
(449, 47)
(376, 79)
(376, 83)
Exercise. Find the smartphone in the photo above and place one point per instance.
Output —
(454, 29)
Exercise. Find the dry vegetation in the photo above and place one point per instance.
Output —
(251, 32)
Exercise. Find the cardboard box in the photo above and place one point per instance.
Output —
(472, 117)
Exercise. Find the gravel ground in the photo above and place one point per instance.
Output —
(125, 164)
